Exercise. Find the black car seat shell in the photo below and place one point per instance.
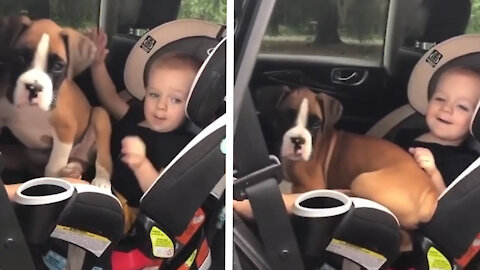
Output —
(188, 180)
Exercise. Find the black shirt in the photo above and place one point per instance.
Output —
(450, 160)
(161, 149)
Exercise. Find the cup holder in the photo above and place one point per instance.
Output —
(316, 214)
(38, 204)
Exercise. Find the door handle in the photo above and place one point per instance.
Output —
(349, 76)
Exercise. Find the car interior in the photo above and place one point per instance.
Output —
(370, 89)
(125, 25)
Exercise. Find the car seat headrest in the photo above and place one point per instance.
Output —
(460, 51)
(206, 100)
(475, 124)
(194, 37)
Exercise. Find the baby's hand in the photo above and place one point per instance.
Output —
(424, 158)
(134, 152)
(99, 37)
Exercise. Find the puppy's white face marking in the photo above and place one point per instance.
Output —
(35, 87)
(297, 141)
(303, 113)
(41, 54)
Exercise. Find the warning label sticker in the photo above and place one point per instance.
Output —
(366, 258)
(94, 243)
(162, 245)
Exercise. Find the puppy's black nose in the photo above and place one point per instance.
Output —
(33, 88)
(297, 142)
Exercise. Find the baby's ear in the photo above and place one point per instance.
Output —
(81, 50)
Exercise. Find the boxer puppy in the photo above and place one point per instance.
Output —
(315, 156)
(41, 105)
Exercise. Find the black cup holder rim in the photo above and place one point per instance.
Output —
(21, 198)
(302, 211)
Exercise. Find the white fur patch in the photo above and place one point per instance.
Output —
(36, 75)
(102, 177)
(302, 116)
(288, 148)
(58, 157)
(299, 131)
(41, 54)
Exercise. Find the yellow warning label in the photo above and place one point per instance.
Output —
(94, 243)
(85, 233)
(369, 259)
(437, 261)
(190, 259)
(162, 245)
(360, 249)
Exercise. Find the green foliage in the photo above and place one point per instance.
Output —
(75, 13)
(208, 10)
(474, 23)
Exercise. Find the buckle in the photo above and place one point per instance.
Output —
(271, 171)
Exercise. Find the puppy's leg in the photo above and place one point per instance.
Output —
(81, 155)
(103, 163)
(62, 145)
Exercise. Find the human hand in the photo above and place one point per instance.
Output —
(243, 208)
(99, 38)
(424, 158)
(134, 152)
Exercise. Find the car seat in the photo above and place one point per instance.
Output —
(459, 197)
(197, 170)
(182, 210)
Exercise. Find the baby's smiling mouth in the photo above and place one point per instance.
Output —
(444, 121)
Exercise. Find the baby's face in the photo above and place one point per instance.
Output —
(451, 107)
(165, 98)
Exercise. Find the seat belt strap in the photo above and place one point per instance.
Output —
(248, 244)
(258, 182)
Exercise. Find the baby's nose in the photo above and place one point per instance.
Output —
(162, 104)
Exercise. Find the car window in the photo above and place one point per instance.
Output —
(73, 13)
(208, 10)
(474, 22)
(344, 28)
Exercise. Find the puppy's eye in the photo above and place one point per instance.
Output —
(58, 67)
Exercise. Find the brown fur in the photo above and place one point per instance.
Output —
(72, 113)
(371, 168)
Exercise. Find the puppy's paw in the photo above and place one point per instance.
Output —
(102, 183)
(72, 170)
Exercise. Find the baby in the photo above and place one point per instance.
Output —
(147, 138)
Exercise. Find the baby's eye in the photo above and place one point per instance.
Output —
(153, 95)
(439, 99)
(463, 107)
(175, 100)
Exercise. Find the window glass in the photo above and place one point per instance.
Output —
(344, 28)
(74, 13)
(208, 10)
(474, 22)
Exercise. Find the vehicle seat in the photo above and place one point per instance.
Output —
(464, 193)
(190, 36)
(194, 177)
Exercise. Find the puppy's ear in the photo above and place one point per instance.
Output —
(11, 28)
(81, 51)
(331, 109)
